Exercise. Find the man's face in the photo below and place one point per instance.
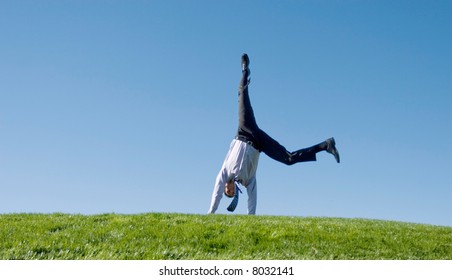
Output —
(229, 189)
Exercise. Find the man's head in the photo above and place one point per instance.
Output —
(229, 188)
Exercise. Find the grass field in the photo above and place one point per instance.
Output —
(194, 237)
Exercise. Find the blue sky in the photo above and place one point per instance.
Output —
(130, 106)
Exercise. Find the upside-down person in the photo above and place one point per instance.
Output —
(240, 165)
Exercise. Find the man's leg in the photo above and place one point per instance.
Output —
(279, 153)
(247, 122)
(249, 128)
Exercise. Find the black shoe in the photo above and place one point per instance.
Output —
(245, 62)
(246, 70)
(331, 148)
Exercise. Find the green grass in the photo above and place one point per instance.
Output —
(182, 236)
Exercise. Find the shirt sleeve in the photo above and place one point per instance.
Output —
(218, 190)
(251, 189)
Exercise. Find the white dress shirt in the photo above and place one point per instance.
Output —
(240, 165)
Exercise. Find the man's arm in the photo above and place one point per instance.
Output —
(252, 196)
(218, 190)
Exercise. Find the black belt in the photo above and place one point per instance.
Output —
(247, 141)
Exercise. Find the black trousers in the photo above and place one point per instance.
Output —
(249, 130)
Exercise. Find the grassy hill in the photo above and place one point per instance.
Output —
(181, 236)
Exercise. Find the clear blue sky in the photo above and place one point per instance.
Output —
(130, 106)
